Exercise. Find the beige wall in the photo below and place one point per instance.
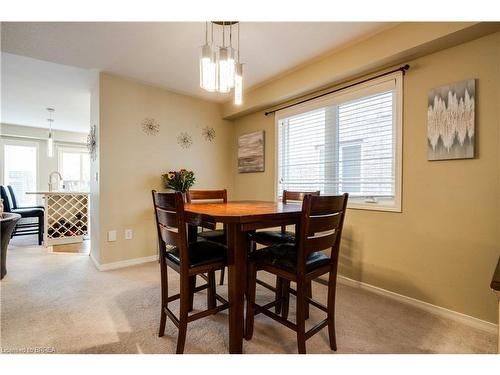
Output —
(131, 162)
(396, 44)
(443, 247)
(95, 214)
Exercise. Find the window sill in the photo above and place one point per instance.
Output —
(374, 207)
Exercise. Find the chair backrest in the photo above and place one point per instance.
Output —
(171, 224)
(9, 199)
(321, 226)
(211, 195)
(296, 196)
(14, 200)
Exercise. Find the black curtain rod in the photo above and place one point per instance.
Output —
(403, 69)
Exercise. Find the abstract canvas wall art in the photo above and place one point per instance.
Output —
(251, 152)
(451, 121)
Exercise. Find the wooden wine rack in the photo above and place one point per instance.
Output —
(66, 218)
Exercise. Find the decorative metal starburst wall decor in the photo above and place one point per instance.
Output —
(184, 140)
(92, 142)
(150, 126)
(208, 133)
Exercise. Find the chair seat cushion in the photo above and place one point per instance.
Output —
(272, 237)
(284, 256)
(218, 236)
(29, 212)
(200, 253)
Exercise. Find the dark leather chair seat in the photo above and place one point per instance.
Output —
(200, 253)
(218, 236)
(273, 237)
(284, 256)
(28, 211)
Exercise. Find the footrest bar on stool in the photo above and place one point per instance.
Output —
(318, 327)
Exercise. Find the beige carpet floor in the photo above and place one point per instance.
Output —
(62, 302)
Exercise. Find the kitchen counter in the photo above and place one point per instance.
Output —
(66, 216)
(57, 192)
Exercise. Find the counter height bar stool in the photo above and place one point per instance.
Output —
(269, 238)
(215, 235)
(320, 228)
(189, 260)
(23, 228)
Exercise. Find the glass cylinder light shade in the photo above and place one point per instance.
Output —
(208, 69)
(231, 57)
(224, 71)
(50, 146)
(238, 84)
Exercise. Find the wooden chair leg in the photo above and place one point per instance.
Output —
(253, 246)
(183, 313)
(251, 287)
(211, 302)
(308, 294)
(332, 286)
(164, 299)
(301, 317)
(286, 298)
(279, 293)
(192, 285)
(222, 272)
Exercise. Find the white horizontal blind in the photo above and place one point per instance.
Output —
(346, 144)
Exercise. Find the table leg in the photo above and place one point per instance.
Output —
(237, 245)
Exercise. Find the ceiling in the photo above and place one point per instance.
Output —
(29, 86)
(163, 54)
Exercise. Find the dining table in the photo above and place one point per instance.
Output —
(239, 218)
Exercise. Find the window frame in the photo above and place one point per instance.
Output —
(26, 143)
(73, 149)
(392, 81)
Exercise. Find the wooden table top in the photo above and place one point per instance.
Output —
(243, 211)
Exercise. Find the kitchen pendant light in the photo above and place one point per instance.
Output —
(220, 66)
(50, 139)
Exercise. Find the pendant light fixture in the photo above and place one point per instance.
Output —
(220, 66)
(238, 76)
(50, 139)
(208, 65)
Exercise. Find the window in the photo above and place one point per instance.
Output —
(349, 141)
(20, 170)
(74, 164)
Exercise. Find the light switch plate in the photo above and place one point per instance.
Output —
(111, 235)
(128, 234)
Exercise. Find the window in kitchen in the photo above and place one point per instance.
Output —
(20, 169)
(75, 168)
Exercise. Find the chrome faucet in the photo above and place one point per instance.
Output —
(51, 182)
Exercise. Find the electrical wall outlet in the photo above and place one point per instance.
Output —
(111, 235)
(128, 234)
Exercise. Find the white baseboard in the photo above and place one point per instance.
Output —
(123, 263)
(94, 260)
(437, 310)
(440, 311)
